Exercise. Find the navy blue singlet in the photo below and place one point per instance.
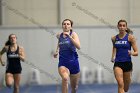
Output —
(68, 56)
(122, 46)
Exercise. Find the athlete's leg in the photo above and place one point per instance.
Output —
(127, 80)
(9, 79)
(74, 80)
(16, 83)
(118, 72)
(64, 73)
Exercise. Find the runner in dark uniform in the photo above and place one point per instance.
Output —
(15, 54)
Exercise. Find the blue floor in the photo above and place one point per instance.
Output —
(95, 88)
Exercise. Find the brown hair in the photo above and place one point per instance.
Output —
(129, 31)
(8, 41)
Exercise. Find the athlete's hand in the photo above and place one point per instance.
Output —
(3, 63)
(20, 52)
(112, 60)
(129, 52)
(66, 34)
(55, 54)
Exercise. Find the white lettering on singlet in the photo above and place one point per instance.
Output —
(121, 42)
(64, 42)
(13, 56)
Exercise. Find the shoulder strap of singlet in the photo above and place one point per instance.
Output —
(113, 41)
(17, 49)
(117, 37)
(9, 49)
(70, 33)
(60, 35)
(127, 35)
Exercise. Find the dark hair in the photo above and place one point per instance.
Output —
(8, 41)
(70, 22)
(129, 31)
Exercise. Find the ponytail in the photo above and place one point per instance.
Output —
(7, 43)
(129, 31)
(71, 30)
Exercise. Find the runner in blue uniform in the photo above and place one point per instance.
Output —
(15, 53)
(68, 66)
(121, 56)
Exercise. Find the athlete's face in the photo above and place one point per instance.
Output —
(66, 25)
(122, 26)
(13, 39)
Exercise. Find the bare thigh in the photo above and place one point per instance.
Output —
(9, 79)
(127, 80)
(74, 79)
(64, 72)
(17, 79)
(118, 72)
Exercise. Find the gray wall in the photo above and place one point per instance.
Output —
(40, 44)
(83, 12)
